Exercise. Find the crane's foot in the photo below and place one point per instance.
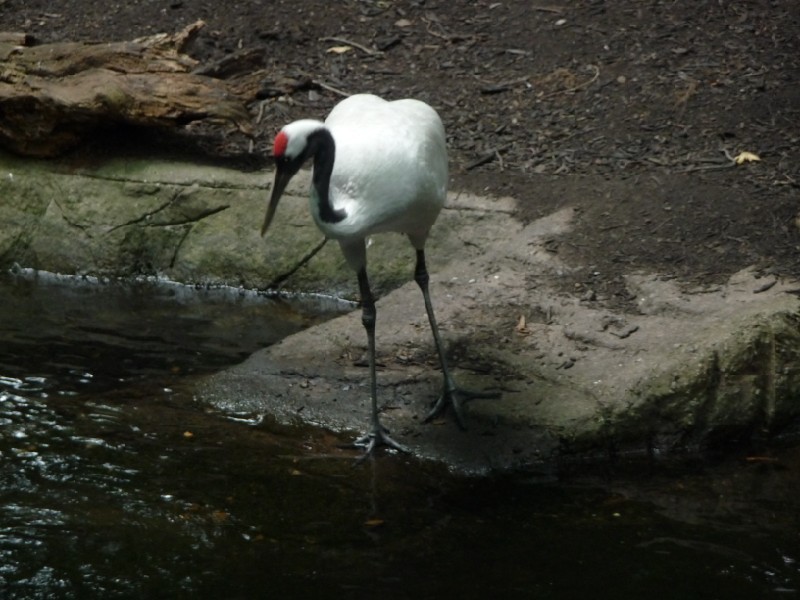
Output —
(376, 438)
(457, 399)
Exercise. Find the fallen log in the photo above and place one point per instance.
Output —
(53, 96)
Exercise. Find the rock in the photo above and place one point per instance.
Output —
(689, 368)
(723, 366)
(188, 222)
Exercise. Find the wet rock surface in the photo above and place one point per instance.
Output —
(689, 367)
(692, 369)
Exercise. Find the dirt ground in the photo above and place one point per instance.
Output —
(631, 111)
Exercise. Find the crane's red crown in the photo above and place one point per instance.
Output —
(279, 147)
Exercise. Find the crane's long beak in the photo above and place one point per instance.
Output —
(281, 181)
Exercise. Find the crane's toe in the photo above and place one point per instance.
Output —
(457, 398)
(375, 439)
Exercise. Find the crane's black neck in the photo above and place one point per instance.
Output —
(323, 148)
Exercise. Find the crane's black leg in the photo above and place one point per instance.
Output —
(452, 395)
(379, 435)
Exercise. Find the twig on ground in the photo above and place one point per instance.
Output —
(303, 261)
(340, 40)
(487, 157)
(708, 167)
(551, 9)
(496, 88)
(450, 37)
(579, 86)
(330, 88)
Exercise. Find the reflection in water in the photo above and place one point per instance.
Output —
(116, 484)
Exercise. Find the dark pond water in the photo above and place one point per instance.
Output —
(115, 483)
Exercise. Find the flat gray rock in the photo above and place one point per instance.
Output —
(689, 367)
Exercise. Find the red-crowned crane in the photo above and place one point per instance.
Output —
(378, 166)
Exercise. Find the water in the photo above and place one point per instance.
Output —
(114, 483)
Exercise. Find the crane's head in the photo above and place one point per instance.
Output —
(290, 150)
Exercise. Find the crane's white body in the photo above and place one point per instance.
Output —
(389, 173)
(378, 166)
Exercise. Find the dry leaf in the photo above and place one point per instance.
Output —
(339, 49)
(374, 522)
(220, 516)
(744, 157)
(761, 459)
